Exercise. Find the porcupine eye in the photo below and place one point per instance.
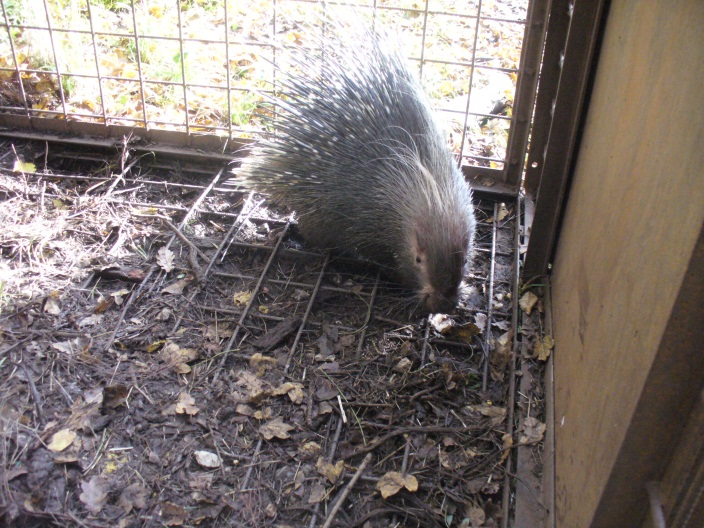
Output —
(418, 259)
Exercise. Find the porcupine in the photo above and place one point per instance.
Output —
(361, 160)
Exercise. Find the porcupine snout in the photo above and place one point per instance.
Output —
(440, 245)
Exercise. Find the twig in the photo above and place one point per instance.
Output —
(346, 491)
(35, 394)
(405, 430)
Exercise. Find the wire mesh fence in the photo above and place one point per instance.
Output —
(200, 67)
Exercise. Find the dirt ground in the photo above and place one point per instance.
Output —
(172, 355)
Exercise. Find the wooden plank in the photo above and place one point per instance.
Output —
(634, 215)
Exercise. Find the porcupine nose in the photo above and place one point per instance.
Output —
(437, 302)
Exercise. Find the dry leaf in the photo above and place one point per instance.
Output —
(244, 410)
(133, 496)
(263, 414)
(476, 517)
(533, 431)
(294, 391)
(177, 287)
(52, 305)
(186, 404)
(78, 345)
(480, 321)
(527, 302)
(114, 396)
(317, 493)
(256, 389)
(95, 491)
(403, 366)
(502, 212)
(118, 296)
(242, 298)
(24, 166)
(174, 514)
(543, 347)
(260, 364)
(324, 408)
(501, 355)
(275, 428)
(441, 323)
(465, 332)
(156, 345)
(392, 482)
(165, 259)
(330, 471)
(507, 441)
(91, 320)
(497, 414)
(103, 304)
(310, 449)
(61, 440)
(177, 358)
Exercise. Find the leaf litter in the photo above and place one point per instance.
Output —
(171, 422)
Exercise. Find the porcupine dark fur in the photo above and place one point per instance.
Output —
(361, 160)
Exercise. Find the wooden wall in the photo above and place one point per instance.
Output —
(624, 374)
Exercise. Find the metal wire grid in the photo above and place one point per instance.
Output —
(256, 254)
(491, 283)
(18, 101)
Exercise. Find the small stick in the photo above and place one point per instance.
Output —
(35, 394)
(348, 488)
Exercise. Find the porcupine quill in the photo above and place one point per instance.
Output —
(360, 159)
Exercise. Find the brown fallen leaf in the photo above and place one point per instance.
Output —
(75, 346)
(242, 298)
(495, 413)
(165, 259)
(177, 287)
(178, 358)
(61, 440)
(533, 431)
(392, 482)
(133, 496)
(501, 355)
(119, 296)
(507, 441)
(294, 391)
(310, 449)
(114, 396)
(52, 305)
(441, 323)
(456, 459)
(330, 471)
(317, 493)
(186, 404)
(527, 302)
(173, 514)
(260, 364)
(95, 491)
(543, 347)
(275, 428)
(475, 516)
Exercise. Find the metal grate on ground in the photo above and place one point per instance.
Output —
(297, 371)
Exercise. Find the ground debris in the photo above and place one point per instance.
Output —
(124, 403)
